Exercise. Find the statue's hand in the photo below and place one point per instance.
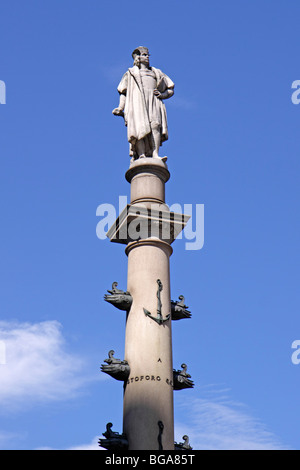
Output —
(158, 94)
(118, 112)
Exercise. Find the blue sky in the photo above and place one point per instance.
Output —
(233, 146)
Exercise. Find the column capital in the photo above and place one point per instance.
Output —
(148, 165)
(149, 242)
(138, 222)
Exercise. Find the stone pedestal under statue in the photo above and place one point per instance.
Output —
(148, 228)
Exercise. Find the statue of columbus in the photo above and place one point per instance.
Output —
(142, 91)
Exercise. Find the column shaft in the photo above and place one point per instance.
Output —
(148, 396)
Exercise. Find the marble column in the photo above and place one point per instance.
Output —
(148, 397)
(148, 228)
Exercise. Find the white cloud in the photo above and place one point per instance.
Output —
(93, 445)
(38, 366)
(217, 423)
(182, 103)
(7, 437)
(40, 369)
(114, 73)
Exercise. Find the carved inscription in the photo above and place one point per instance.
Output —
(148, 378)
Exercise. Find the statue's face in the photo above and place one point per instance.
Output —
(144, 58)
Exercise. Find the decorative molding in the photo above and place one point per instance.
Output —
(158, 224)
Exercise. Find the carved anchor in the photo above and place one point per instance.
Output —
(159, 438)
(159, 318)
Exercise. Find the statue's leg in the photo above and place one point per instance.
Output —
(140, 148)
(156, 138)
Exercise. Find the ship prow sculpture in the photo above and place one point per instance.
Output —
(148, 228)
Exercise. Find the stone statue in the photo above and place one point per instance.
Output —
(142, 91)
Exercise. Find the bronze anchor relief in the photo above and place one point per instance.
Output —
(159, 318)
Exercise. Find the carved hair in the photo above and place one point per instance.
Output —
(136, 55)
(137, 60)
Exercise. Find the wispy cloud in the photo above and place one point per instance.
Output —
(8, 437)
(182, 103)
(38, 366)
(114, 73)
(93, 445)
(215, 422)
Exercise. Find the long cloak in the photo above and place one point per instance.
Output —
(136, 113)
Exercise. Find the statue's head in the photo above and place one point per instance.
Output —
(140, 55)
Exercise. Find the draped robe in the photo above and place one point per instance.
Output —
(136, 114)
